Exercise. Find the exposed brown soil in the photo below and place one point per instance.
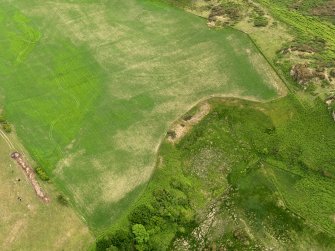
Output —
(30, 175)
(180, 128)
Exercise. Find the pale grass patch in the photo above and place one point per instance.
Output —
(138, 138)
(67, 162)
(259, 64)
(115, 186)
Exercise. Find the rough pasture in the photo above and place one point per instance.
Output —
(97, 85)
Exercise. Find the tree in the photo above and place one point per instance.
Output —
(103, 244)
(121, 239)
(261, 21)
(141, 215)
(141, 236)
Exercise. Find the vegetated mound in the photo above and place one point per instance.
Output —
(326, 9)
(92, 86)
(249, 176)
(314, 7)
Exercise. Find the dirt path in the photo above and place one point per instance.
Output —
(6, 139)
(30, 174)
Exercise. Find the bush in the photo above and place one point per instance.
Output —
(103, 244)
(229, 9)
(232, 10)
(141, 236)
(42, 174)
(62, 200)
(7, 127)
(261, 21)
(141, 215)
(121, 239)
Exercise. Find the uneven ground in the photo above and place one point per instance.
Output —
(249, 176)
(92, 86)
(30, 224)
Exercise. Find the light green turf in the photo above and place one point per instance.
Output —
(103, 82)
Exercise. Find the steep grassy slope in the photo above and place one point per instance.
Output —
(92, 87)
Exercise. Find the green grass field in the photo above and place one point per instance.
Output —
(92, 87)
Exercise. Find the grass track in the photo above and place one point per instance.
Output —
(100, 88)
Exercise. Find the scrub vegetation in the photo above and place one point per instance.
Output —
(249, 176)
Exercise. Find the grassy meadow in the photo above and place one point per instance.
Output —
(92, 87)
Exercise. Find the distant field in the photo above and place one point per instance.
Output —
(92, 87)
